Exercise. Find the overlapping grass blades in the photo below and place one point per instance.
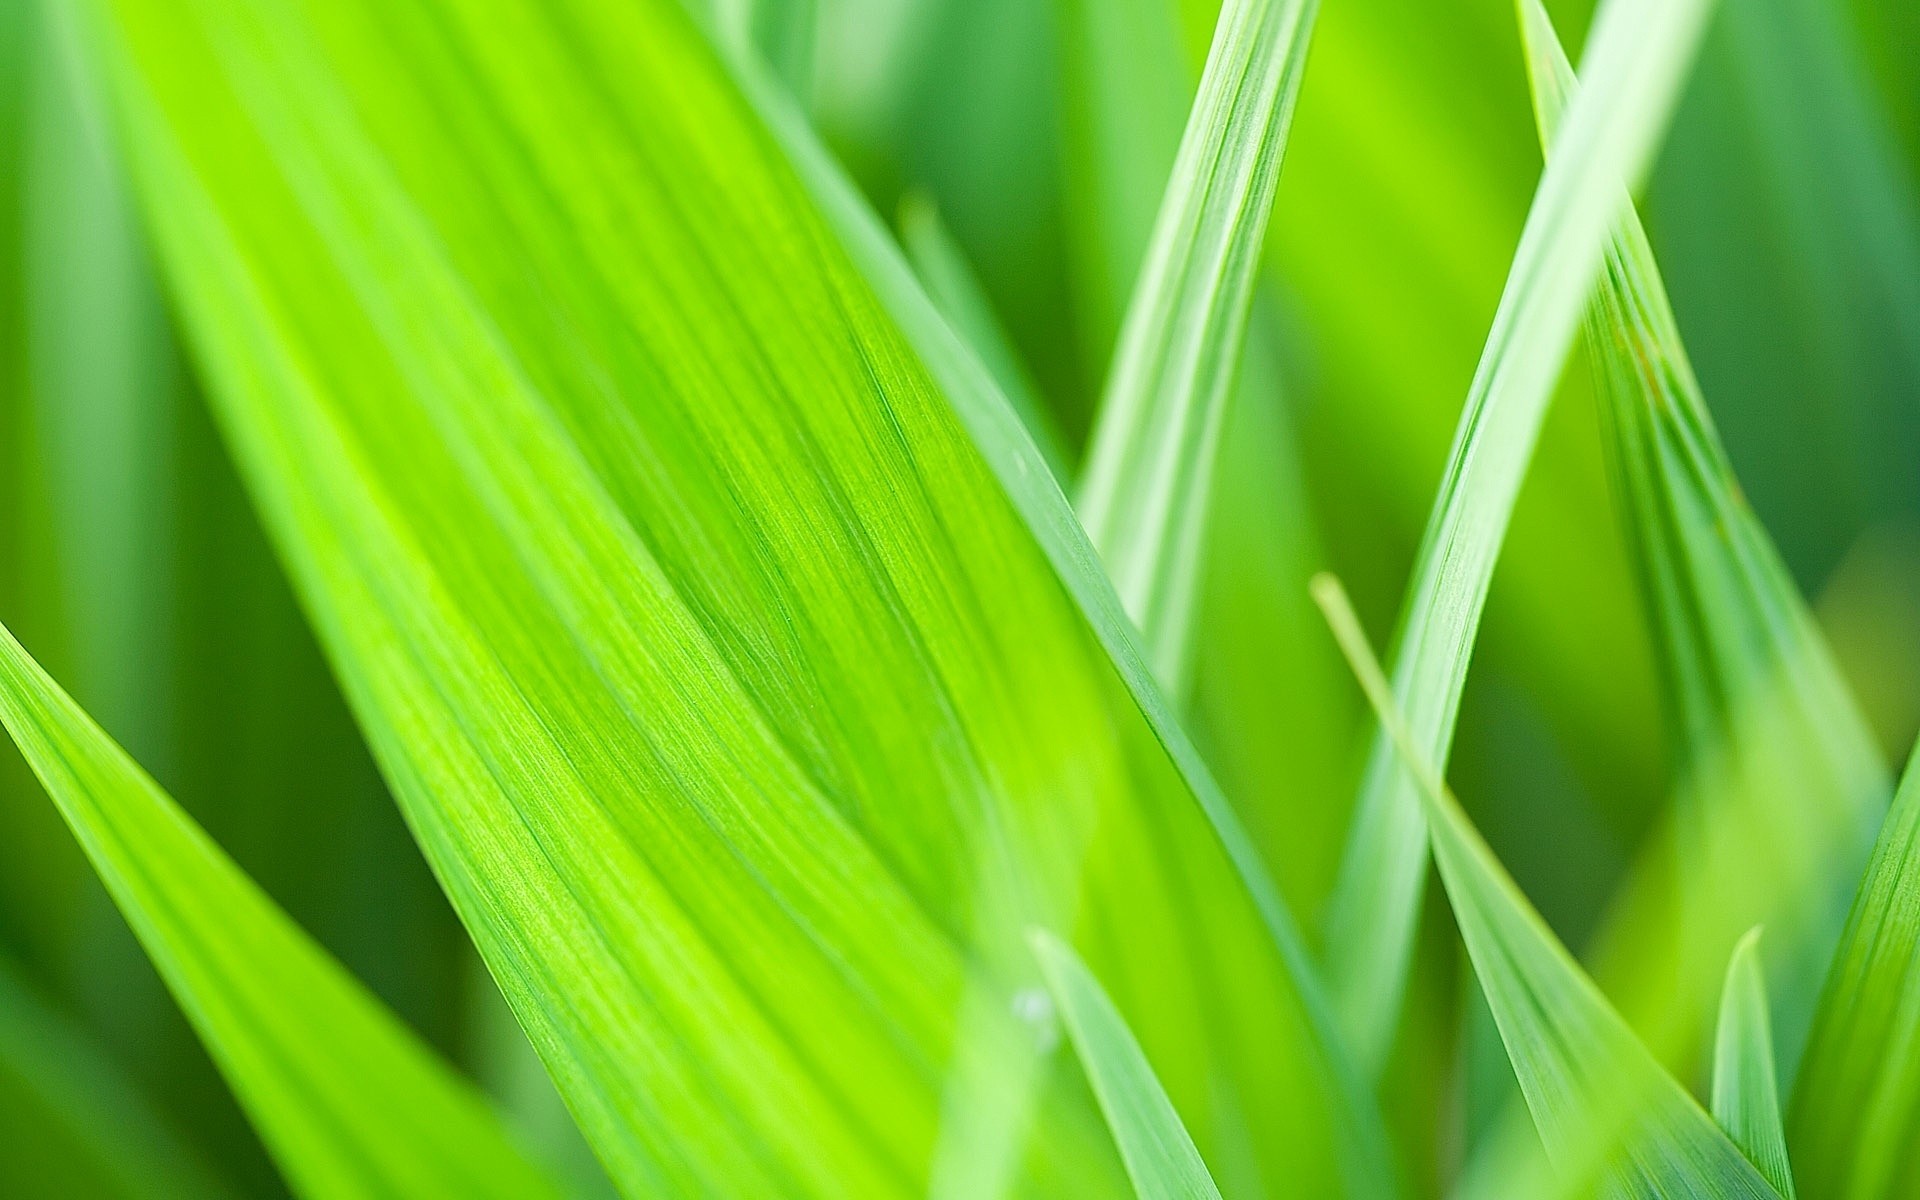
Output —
(1746, 1089)
(741, 775)
(1148, 481)
(1639, 57)
(347, 1099)
(1854, 1119)
(1778, 765)
(1605, 1108)
(1160, 1157)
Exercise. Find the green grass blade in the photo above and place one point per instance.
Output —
(1161, 1159)
(71, 1125)
(1746, 1094)
(741, 714)
(1148, 482)
(944, 271)
(1854, 1118)
(1779, 764)
(1280, 750)
(1641, 49)
(348, 1100)
(1599, 1099)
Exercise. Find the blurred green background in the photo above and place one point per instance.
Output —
(1786, 210)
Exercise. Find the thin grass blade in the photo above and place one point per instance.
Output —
(1604, 1106)
(347, 1099)
(1148, 481)
(1746, 1093)
(1161, 1159)
(1640, 53)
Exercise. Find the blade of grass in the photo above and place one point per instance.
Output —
(1280, 751)
(348, 1100)
(1746, 1095)
(1148, 482)
(1161, 1159)
(1854, 1117)
(1639, 56)
(1599, 1099)
(740, 730)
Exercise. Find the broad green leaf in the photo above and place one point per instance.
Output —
(1746, 1094)
(1782, 786)
(1148, 482)
(744, 719)
(1160, 1157)
(1854, 1118)
(1599, 1098)
(348, 1100)
(71, 1125)
(1640, 52)
(943, 270)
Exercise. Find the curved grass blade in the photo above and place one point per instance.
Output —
(1746, 1095)
(740, 712)
(943, 269)
(1161, 1159)
(347, 1099)
(1641, 49)
(1148, 481)
(1853, 1123)
(1602, 1103)
(1779, 765)
(71, 1125)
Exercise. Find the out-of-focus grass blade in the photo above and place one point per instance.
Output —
(1639, 56)
(740, 712)
(1853, 1123)
(1746, 1093)
(943, 269)
(1599, 1099)
(1779, 766)
(350, 1102)
(1148, 481)
(71, 1126)
(1161, 1159)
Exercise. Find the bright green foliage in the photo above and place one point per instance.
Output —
(1746, 1092)
(350, 1103)
(1602, 1103)
(1639, 56)
(1855, 1114)
(744, 777)
(1149, 477)
(1782, 784)
(1160, 1157)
